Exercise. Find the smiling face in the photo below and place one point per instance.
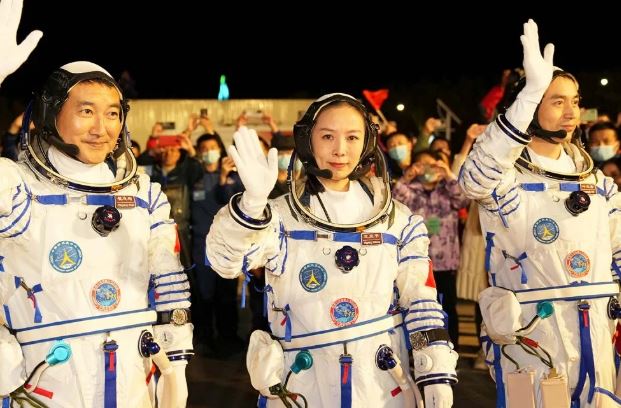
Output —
(337, 141)
(559, 108)
(90, 118)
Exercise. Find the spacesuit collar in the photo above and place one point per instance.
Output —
(582, 160)
(76, 170)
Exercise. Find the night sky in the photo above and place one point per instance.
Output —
(380, 47)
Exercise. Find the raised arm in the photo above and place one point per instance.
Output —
(12, 55)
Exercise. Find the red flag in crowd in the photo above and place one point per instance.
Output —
(376, 98)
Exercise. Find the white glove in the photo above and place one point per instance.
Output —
(537, 68)
(265, 361)
(438, 396)
(11, 54)
(257, 172)
(502, 314)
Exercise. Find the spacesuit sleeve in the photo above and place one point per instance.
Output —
(614, 200)
(417, 295)
(488, 174)
(15, 202)
(232, 248)
(170, 288)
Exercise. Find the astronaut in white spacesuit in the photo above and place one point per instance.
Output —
(90, 281)
(551, 222)
(349, 287)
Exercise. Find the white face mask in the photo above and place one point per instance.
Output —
(603, 152)
(210, 156)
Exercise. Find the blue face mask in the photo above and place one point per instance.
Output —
(398, 153)
(211, 156)
(603, 153)
(283, 161)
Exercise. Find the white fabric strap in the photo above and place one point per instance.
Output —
(569, 292)
(85, 327)
(354, 332)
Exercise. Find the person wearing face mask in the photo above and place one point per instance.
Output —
(215, 307)
(603, 142)
(399, 148)
(429, 188)
(284, 145)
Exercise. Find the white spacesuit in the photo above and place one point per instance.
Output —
(546, 246)
(340, 287)
(88, 266)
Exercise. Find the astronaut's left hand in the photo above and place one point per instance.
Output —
(438, 396)
(13, 55)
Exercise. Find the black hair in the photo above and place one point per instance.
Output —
(212, 136)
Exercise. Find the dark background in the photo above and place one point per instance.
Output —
(304, 49)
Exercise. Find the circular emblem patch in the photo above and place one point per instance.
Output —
(578, 264)
(65, 256)
(106, 295)
(545, 230)
(344, 312)
(313, 277)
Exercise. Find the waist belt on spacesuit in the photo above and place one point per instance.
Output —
(85, 326)
(568, 292)
(340, 335)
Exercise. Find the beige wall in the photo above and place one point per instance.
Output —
(145, 112)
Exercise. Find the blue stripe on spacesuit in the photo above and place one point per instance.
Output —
(511, 131)
(6, 402)
(173, 292)
(474, 179)
(14, 208)
(345, 362)
(18, 233)
(422, 301)
(608, 394)
(107, 315)
(406, 226)
(482, 172)
(1, 266)
(419, 319)
(7, 316)
(171, 283)
(413, 238)
(165, 302)
(340, 342)
(90, 199)
(500, 386)
(500, 214)
(587, 366)
(402, 239)
(157, 224)
(169, 274)
(154, 202)
(19, 217)
(615, 268)
(349, 237)
(489, 244)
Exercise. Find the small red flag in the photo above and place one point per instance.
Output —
(376, 98)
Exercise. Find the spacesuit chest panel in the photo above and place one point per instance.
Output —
(320, 291)
(545, 245)
(65, 257)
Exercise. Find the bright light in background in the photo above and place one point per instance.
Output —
(603, 81)
(400, 107)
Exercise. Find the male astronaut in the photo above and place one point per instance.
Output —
(90, 279)
(551, 222)
(347, 270)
